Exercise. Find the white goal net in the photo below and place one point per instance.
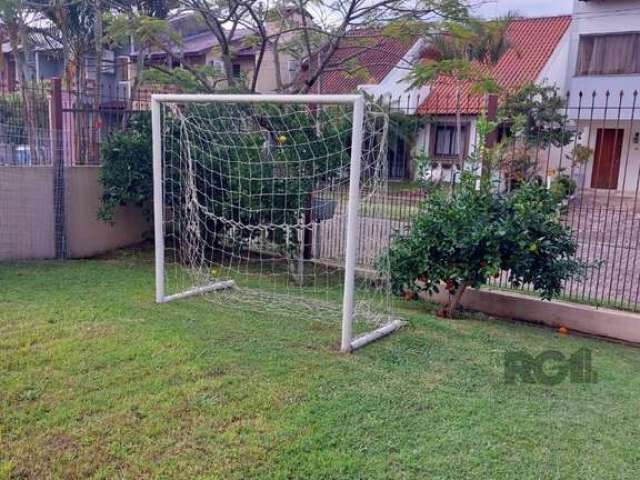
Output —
(275, 203)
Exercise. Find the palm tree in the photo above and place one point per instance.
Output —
(465, 51)
(76, 29)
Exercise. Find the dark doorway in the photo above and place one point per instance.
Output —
(606, 163)
(397, 159)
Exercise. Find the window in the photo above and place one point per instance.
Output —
(237, 71)
(610, 54)
(293, 66)
(122, 69)
(446, 143)
(90, 67)
(218, 65)
(108, 64)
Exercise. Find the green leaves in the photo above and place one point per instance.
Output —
(532, 219)
(263, 173)
(466, 236)
(127, 175)
(465, 49)
(148, 32)
(536, 114)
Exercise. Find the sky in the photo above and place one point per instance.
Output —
(528, 8)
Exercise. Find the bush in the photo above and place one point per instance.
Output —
(127, 170)
(13, 118)
(463, 238)
(563, 186)
(224, 176)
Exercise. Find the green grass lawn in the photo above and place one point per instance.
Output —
(96, 381)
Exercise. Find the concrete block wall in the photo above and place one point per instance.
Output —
(86, 234)
(27, 213)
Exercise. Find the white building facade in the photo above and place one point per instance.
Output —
(603, 80)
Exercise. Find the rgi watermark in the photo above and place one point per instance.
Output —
(549, 367)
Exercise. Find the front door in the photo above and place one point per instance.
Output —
(606, 162)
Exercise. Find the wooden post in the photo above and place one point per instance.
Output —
(492, 112)
(492, 137)
(307, 251)
(57, 152)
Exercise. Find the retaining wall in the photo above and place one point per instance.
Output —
(603, 322)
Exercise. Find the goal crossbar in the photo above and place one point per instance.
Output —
(347, 344)
(252, 98)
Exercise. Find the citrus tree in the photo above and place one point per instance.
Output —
(462, 238)
(126, 175)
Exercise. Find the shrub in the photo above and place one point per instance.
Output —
(464, 237)
(225, 176)
(563, 186)
(12, 113)
(533, 118)
(127, 170)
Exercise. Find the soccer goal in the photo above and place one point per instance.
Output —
(275, 203)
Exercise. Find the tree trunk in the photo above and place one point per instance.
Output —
(258, 66)
(97, 94)
(323, 61)
(228, 67)
(276, 63)
(20, 47)
(454, 301)
(459, 144)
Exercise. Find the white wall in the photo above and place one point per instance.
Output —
(629, 159)
(555, 70)
(593, 17)
(422, 144)
(600, 17)
(397, 87)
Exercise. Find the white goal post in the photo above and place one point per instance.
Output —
(358, 104)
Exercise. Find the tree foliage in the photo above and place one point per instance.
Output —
(127, 172)
(462, 238)
(304, 29)
(537, 114)
(290, 148)
(535, 118)
(282, 143)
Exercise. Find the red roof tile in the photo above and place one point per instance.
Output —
(532, 40)
(375, 52)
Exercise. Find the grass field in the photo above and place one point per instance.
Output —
(96, 381)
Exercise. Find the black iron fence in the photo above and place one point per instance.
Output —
(27, 131)
(585, 146)
(587, 150)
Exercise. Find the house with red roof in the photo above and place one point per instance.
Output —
(538, 52)
(367, 60)
(372, 62)
(376, 63)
